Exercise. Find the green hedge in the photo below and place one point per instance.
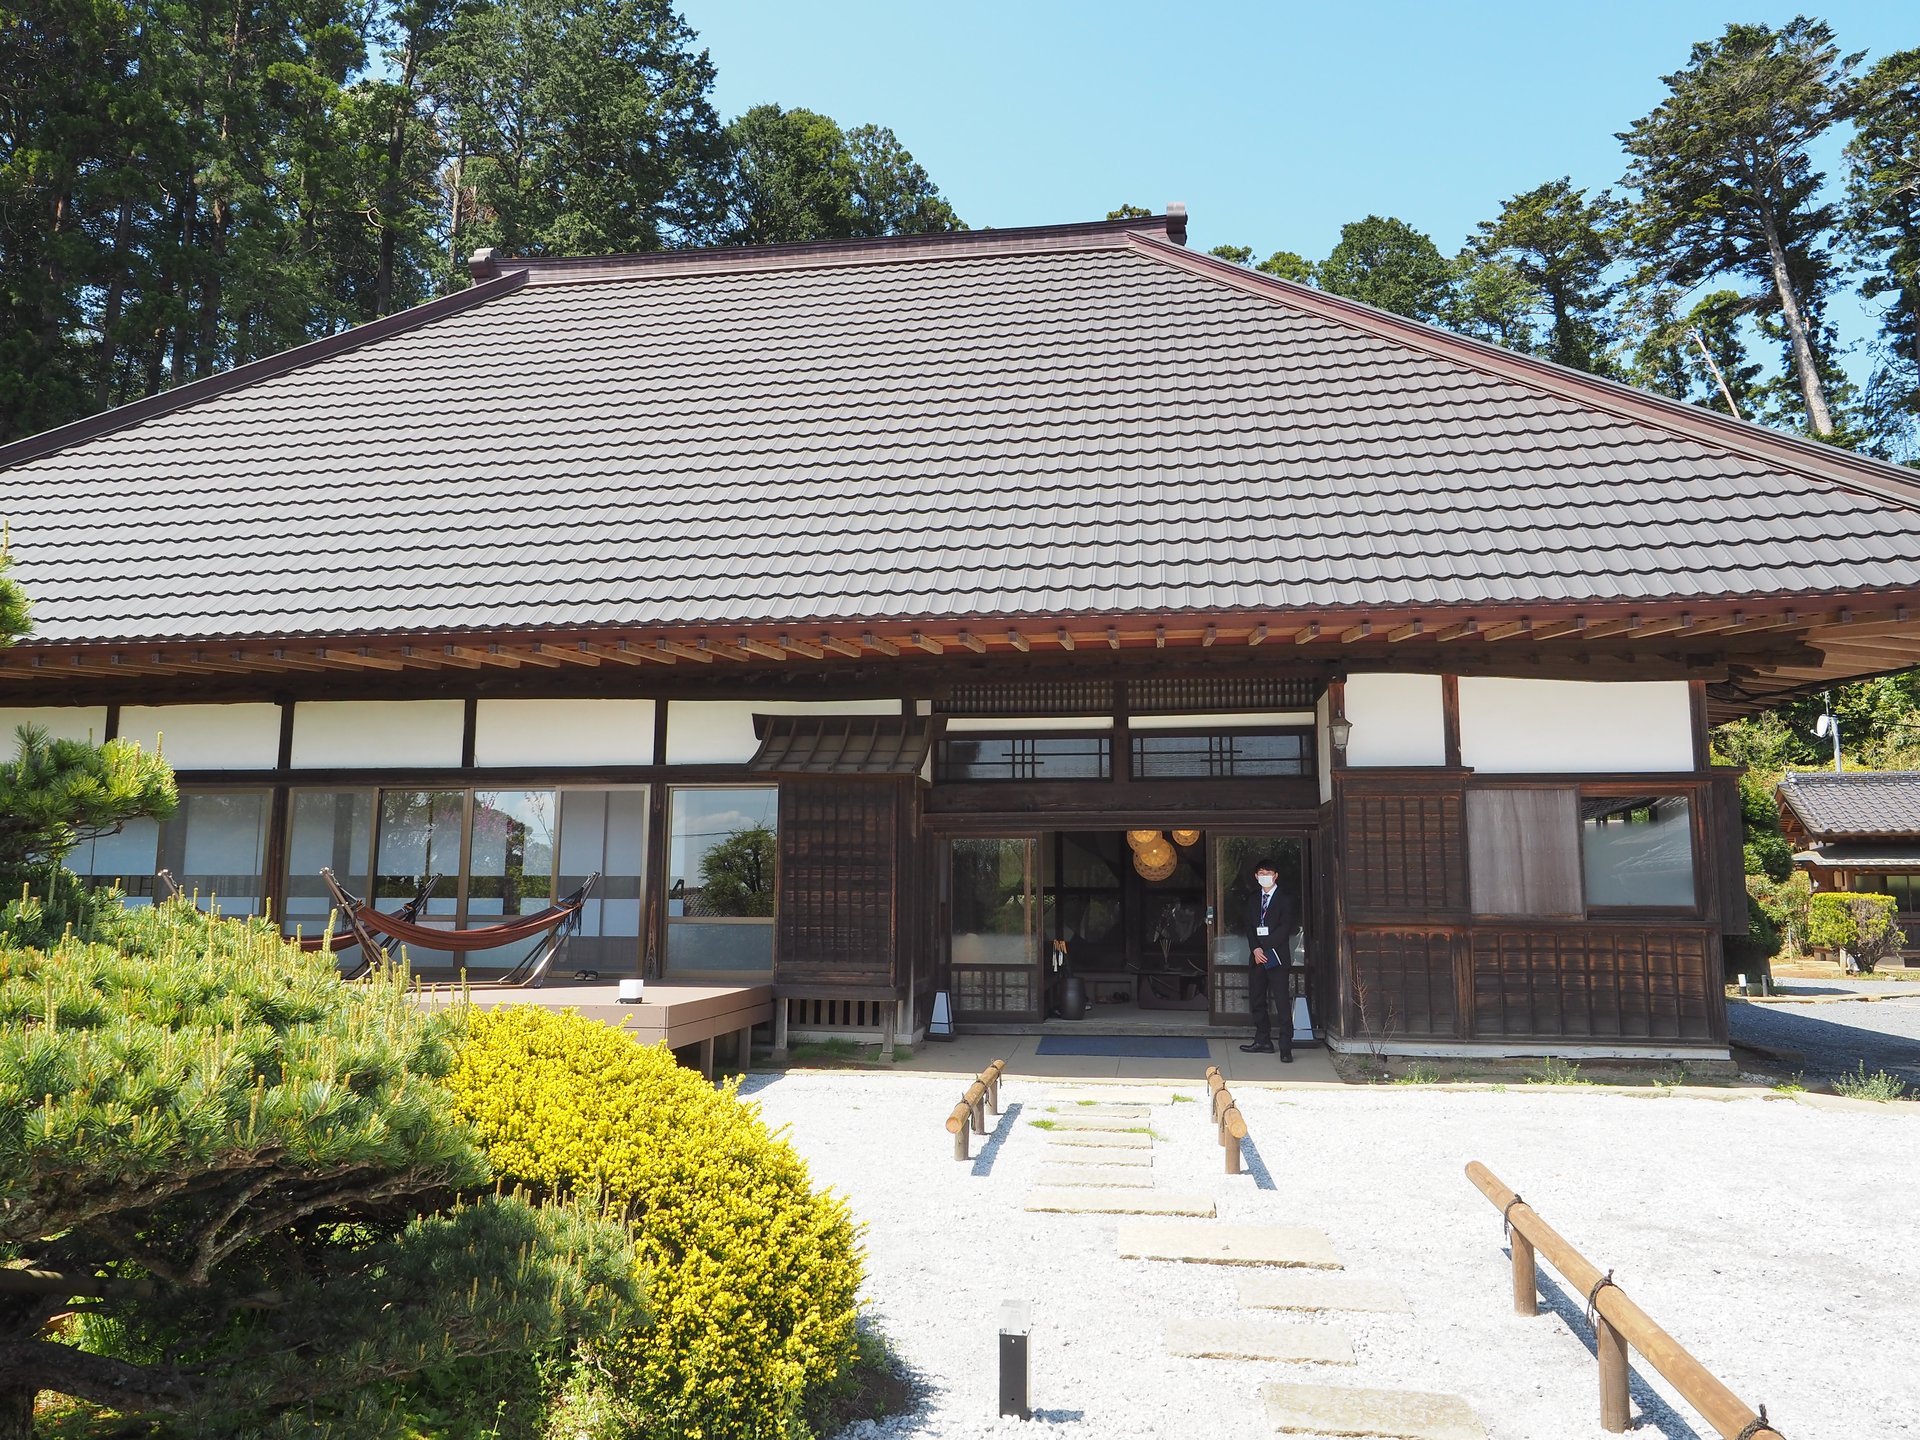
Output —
(753, 1275)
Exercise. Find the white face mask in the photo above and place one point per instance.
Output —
(1266, 881)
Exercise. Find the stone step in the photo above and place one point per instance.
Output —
(1096, 1155)
(1387, 1414)
(1114, 1139)
(1321, 1290)
(1139, 1114)
(1132, 1177)
(1075, 1121)
(1227, 1244)
(1258, 1338)
(1085, 1200)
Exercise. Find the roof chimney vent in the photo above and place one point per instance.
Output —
(1177, 223)
(485, 264)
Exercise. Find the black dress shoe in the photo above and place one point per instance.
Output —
(1286, 1057)
(1259, 1047)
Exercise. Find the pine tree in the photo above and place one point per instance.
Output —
(1559, 243)
(1882, 218)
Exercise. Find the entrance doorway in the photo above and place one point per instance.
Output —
(1152, 922)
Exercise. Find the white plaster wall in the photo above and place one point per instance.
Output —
(1278, 719)
(1019, 724)
(1525, 727)
(207, 737)
(63, 722)
(720, 732)
(376, 734)
(563, 732)
(1396, 719)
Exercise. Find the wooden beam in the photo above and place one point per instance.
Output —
(486, 656)
(363, 659)
(722, 649)
(685, 652)
(1405, 632)
(840, 647)
(620, 654)
(1553, 629)
(926, 643)
(567, 654)
(1113, 638)
(1066, 640)
(1208, 636)
(802, 647)
(1356, 632)
(874, 642)
(1257, 635)
(763, 648)
(1159, 637)
(1600, 629)
(446, 655)
(1308, 634)
(1665, 625)
(536, 655)
(1506, 629)
(1459, 630)
(973, 642)
(1017, 640)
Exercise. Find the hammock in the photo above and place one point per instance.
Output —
(338, 941)
(558, 921)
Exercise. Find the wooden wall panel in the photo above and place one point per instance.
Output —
(1401, 984)
(1406, 852)
(1630, 984)
(1523, 847)
(839, 870)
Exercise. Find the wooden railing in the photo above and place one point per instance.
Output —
(1618, 1323)
(971, 1113)
(1229, 1125)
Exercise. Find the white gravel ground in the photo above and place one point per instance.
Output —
(1773, 1239)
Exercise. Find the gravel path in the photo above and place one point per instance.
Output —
(1825, 1040)
(1728, 1219)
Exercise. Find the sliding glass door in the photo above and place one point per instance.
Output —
(993, 909)
(1235, 892)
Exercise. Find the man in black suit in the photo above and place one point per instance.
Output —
(1270, 925)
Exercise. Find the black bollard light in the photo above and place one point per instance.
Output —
(1015, 1324)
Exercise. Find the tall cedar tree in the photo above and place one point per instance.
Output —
(796, 176)
(1883, 218)
(1557, 241)
(577, 127)
(1726, 187)
(1389, 264)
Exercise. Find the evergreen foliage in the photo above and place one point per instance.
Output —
(753, 1275)
(1882, 218)
(1385, 262)
(250, 1173)
(1861, 925)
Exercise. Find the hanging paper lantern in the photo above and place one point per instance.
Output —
(1156, 861)
(1186, 837)
(1139, 839)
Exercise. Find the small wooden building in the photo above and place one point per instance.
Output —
(846, 606)
(1859, 831)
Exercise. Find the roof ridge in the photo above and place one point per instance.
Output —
(1171, 226)
(1811, 459)
(134, 412)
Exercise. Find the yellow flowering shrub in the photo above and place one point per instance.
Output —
(752, 1273)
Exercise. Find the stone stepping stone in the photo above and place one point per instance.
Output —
(1227, 1244)
(1084, 1200)
(1076, 1121)
(1132, 1177)
(1390, 1414)
(1139, 1114)
(1245, 1338)
(1321, 1290)
(1114, 1139)
(1096, 1155)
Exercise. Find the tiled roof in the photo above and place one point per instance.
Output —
(1884, 802)
(973, 429)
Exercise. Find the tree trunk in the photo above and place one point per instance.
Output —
(16, 1413)
(1811, 388)
(110, 308)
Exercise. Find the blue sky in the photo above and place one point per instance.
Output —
(1274, 123)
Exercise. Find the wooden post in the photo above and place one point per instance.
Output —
(958, 1126)
(779, 1031)
(1233, 1154)
(886, 1032)
(1526, 1292)
(1611, 1346)
(706, 1057)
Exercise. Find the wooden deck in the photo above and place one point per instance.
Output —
(681, 1014)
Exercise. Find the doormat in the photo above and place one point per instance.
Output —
(1128, 1047)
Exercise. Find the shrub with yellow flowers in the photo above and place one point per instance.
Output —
(753, 1274)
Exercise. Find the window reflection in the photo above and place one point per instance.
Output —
(1637, 850)
(722, 853)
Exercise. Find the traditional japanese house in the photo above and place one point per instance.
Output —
(1859, 831)
(848, 605)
